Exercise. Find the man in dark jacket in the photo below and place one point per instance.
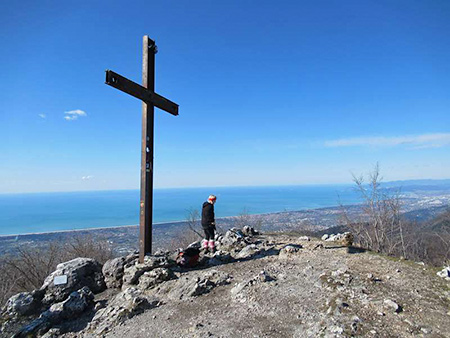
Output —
(209, 224)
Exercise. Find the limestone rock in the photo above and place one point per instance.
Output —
(249, 251)
(238, 291)
(192, 287)
(157, 276)
(24, 303)
(233, 238)
(444, 273)
(392, 305)
(133, 273)
(290, 251)
(249, 231)
(123, 306)
(219, 257)
(325, 237)
(74, 305)
(345, 239)
(80, 272)
(52, 333)
(304, 238)
(113, 270)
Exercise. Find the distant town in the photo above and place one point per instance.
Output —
(419, 206)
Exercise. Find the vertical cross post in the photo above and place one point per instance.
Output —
(150, 100)
(146, 199)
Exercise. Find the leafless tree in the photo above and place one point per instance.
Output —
(379, 226)
(193, 222)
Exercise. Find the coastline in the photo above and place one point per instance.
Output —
(124, 238)
(168, 222)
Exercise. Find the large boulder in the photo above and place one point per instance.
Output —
(156, 276)
(249, 251)
(74, 274)
(345, 239)
(74, 305)
(133, 273)
(233, 239)
(123, 306)
(220, 257)
(23, 304)
(113, 270)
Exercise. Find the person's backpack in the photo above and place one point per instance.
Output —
(188, 257)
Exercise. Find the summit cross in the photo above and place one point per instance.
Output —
(146, 93)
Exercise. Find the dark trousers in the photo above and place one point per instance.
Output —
(209, 233)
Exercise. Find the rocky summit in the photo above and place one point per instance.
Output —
(255, 285)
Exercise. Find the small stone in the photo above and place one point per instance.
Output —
(325, 237)
(290, 250)
(407, 321)
(445, 272)
(393, 305)
(337, 329)
(426, 330)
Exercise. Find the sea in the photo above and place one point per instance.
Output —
(49, 212)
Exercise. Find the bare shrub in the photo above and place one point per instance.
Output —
(182, 240)
(193, 222)
(88, 246)
(379, 226)
(245, 219)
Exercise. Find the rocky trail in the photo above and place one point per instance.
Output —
(270, 285)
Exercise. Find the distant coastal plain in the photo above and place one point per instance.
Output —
(48, 212)
(37, 219)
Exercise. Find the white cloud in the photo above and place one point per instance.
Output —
(416, 141)
(74, 114)
(42, 116)
(87, 178)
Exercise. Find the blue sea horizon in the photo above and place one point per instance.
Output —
(59, 211)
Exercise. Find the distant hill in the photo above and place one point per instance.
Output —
(419, 184)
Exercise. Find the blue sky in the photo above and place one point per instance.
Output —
(286, 92)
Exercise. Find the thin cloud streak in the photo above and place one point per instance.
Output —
(42, 116)
(423, 141)
(74, 114)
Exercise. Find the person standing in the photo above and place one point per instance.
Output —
(209, 223)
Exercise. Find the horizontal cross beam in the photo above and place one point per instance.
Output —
(122, 83)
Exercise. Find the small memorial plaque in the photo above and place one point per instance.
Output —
(60, 280)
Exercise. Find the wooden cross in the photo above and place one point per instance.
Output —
(150, 99)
